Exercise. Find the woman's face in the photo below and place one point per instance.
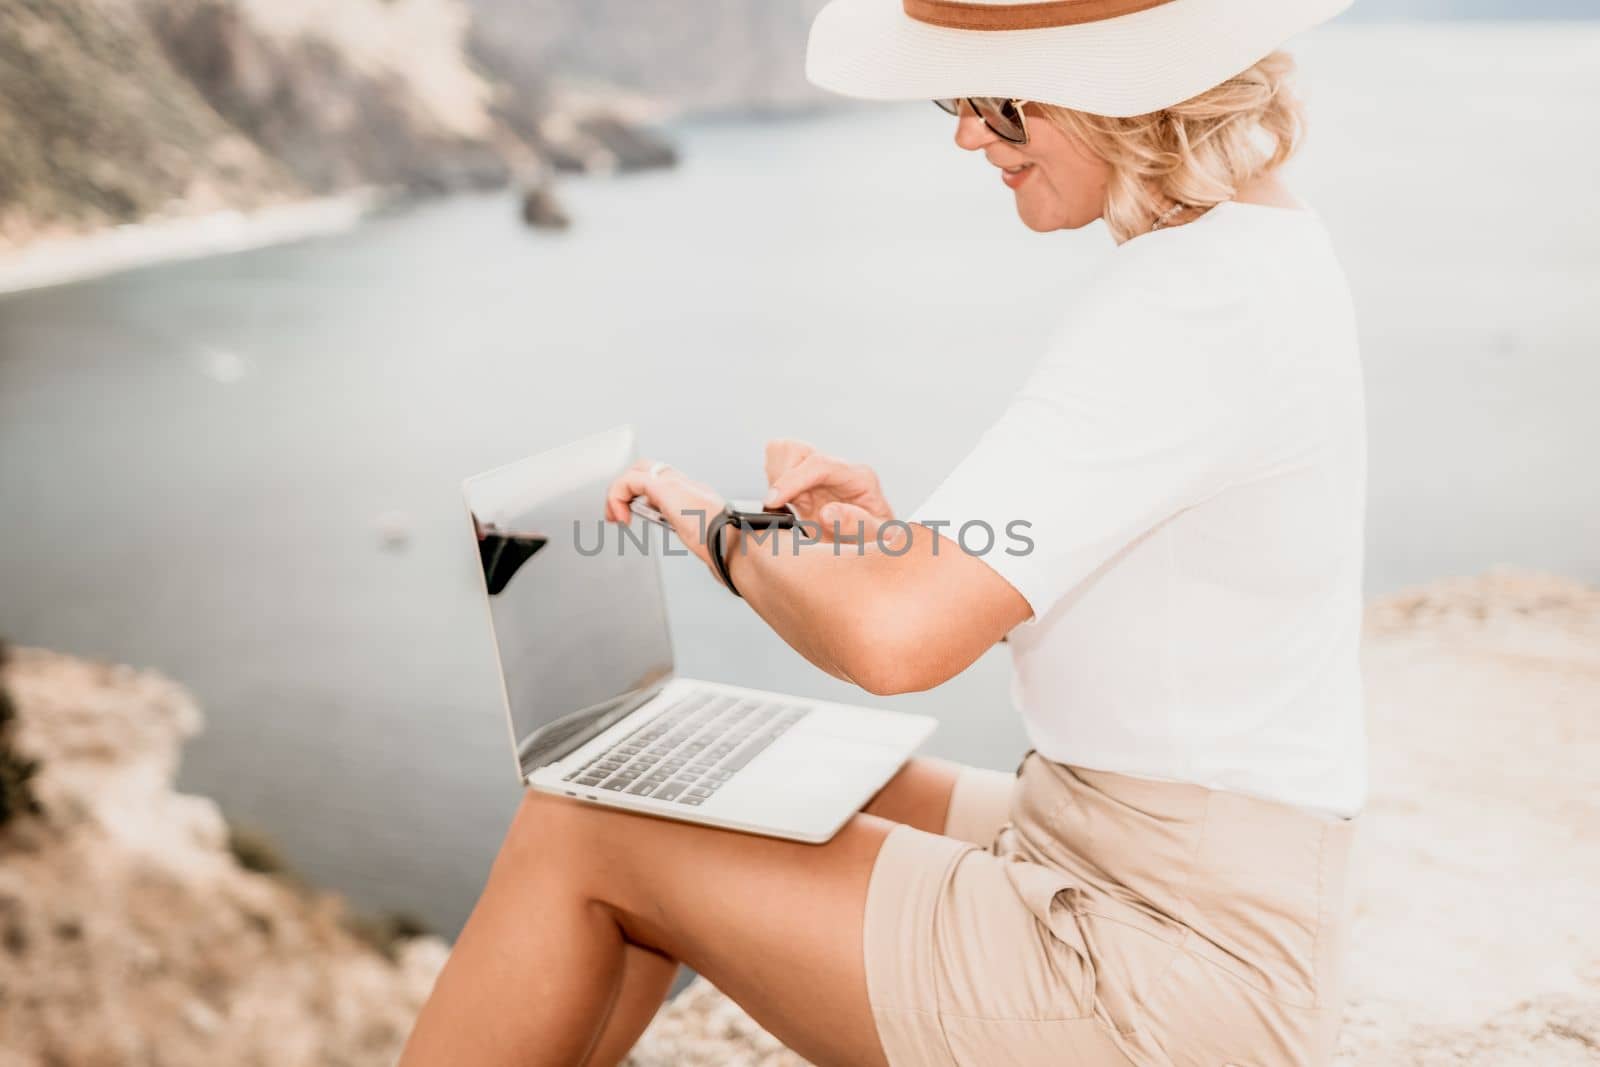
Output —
(1058, 183)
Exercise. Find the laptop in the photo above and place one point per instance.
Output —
(596, 708)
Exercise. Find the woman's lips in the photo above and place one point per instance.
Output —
(1015, 176)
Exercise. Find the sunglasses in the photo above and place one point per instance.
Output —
(1002, 116)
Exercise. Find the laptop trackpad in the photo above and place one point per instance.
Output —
(808, 779)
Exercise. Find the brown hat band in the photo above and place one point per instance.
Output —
(962, 15)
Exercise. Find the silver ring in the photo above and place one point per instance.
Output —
(655, 468)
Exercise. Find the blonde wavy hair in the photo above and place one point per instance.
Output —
(1199, 152)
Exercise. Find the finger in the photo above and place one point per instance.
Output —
(624, 488)
(619, 495)
(814, 470)
(784, 453)
(613, 495)
(640, 477)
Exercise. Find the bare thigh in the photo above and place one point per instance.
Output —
(919, 795)
(776, 925)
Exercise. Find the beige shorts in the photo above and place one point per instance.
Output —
(1076, 917)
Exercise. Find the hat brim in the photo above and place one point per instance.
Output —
(1130, 65)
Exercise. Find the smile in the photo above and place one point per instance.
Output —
(1015, 176)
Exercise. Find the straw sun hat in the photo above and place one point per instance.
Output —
(1107, 57)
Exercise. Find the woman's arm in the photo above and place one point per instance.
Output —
(893, 618)
(890, 623)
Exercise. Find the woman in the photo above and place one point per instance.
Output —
(1163, 882)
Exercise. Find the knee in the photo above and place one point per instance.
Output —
(546, 832)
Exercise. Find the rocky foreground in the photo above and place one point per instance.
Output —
(130, 933)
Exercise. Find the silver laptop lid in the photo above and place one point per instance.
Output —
(577, 610)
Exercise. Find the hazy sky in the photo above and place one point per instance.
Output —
(1492, 9)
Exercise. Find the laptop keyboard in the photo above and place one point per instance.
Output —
(692, 749)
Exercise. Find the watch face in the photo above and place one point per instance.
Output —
(751, 513)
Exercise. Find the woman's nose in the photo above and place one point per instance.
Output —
(972, 133)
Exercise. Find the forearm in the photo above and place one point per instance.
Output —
(820, 603)
(891, 620)
(876, 619)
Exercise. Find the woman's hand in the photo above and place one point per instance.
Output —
(687, 505)
(840, 497)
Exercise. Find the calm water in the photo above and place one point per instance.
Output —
(199, 463)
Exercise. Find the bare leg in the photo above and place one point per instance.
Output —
(918, 796)
(538, 968)
(572, 947)
(646, 979)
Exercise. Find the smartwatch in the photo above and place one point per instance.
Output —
(746, 515)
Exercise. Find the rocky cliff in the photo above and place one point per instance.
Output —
(114, 111)
(131, 934)
(75, 153)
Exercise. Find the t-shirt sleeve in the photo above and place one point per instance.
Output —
(1137, 411)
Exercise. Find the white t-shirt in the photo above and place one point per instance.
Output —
(1190, 455)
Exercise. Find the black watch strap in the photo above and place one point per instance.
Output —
(716, 534)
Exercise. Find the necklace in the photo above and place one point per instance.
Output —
(1165, 216)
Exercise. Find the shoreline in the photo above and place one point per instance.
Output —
(52, 261)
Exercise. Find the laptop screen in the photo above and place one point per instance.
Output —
(578, 614)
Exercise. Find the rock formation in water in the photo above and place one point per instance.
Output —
(128, 925)
(541, 211)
